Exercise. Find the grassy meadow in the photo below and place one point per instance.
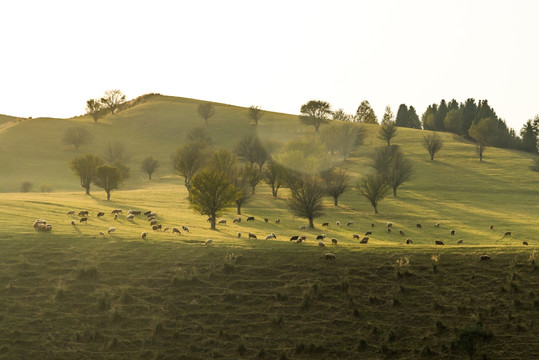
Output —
(73, 293)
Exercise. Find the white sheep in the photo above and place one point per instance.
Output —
(209, 242)
(329, 256)
(111, 230)
(143, 235)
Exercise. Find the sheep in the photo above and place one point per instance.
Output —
(338, 223)
(185, 228)
(321, 244)
(175, 230)
(166, 229)
(208, 219)
(111, 230)
(83, 220)
(156, 227)
(329, 256)
(364, 240)
(326, 224)
(401, 232)
(236, 220)
(320, 237)
(153, 213)
(222, 222)
(460, 242)
(116, 211)
(134, 212)
(130, 217)
(153, 222)
(355, 236)
(437, 225)
(507, 233)
(266, 220)
(334, 241)
(368, 233)
(438, 242)
(71, 212)
(150, 218)
(239, 235)
(41, 225)
(452, 231)
(143, 235)
(388, 230)
(418, 226)
(524, 243)
(303, 238)
(409, 241)
(73, 222)
(252, 236)
(271, 236)
(277, 221)
(299, 241)
(389, 224)
(303, 227)
(147, 212)
(350, 223)
(484, 257)
(100, 214)
(102, 234)
(116, 216)
(491, 227)
(251, 218)
(294, 238)
(83, 213)
(209, 242)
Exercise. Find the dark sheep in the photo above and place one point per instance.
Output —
(409, 241)
(401, 232)
(143, 235)
(266, 220)
(73, 222)
(252, 236)
(134, 212)
(388, 230)
(236, 220)
(294, 238)
(364, 240)
(452, 231)
(320, 237)
(460, 242)
(507, 233)
(71, 212)
(83, 213)
(156, 227)
(355, 236)
(277, 221)
(418, 226)
(334, 241)
(484, 257)
(389, 224)
(326, 224)
(185, 228)
(524, 243)
(83, 220)
(350, 223)
(372, 225)
(368, 233)
(491, 227)
(99, 214)
(438, 242)
(175, 230)
(239, 235)
(116, 216)
(147, 212)
(116, 211)
(251, 218)
(153, 222)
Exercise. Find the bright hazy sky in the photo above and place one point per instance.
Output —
(56, 54)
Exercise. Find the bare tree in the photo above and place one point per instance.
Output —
(115, 151)
(306, 199)
(374, 188)
(401, 170)
(241, 182)
(255, 113)
(433, 143)
(273, 176)
(77, 136)
(189, 159)
(108, 177)
(112, 100)
(149, 166)
(199, 133)
(206, 111)
(336, 182)
(84, 167)
(343, 137)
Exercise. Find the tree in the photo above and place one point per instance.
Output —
(343, 137)
(108, 178)
(149, 166)
(189, 159)
(224, 161)
(112, 100)
(453, 120)
(255, 113)
(117, 155)
(85, 167)
(439, 116)
(273, 176)
(315, 113)
(251, 150)
(374, 188)
(77, 136)
(365, 113)
(388, 116)
(306, 199)
(529, 134)
(206, 111)
(403, 116)
(340, 115)
(401, 170)
(241, 182)
(336, 182)
(211, 193)
(199, 133)
(387, 129)
(94, 108)
(483, 132)
(433, 143)
(252, 176)
(413, 118)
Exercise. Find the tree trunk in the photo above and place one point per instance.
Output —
(394, 192)
(150, 176)
(431, 156)
(238, 208)
(311, 224)
(108, 195)
(336, 202)
(87, 190)
(273, 191)
(212, 222)
(375, 209)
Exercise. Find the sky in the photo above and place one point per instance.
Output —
(55, 54)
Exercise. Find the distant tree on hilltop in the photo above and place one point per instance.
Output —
(112, 100)
(206, 111)
(94, 108)
(365, 113)
(315, 113)
(255, 113)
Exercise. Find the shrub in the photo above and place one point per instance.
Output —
(26, 186)
(45, 188)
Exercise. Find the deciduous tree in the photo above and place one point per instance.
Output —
(108, 178)
(387, 129)
(374, 188)
(189, 159)
(255, 113)
(335, 183)
(306, 199)
(483, 132)
(206, 111)
(94, 108)
(433, 143)
(77, 136)
(273, 175)
(112, 100)
(149, 166)
(84, 167)
(251, 150)
(365, 113)
(315, 113)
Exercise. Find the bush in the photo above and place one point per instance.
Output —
(26, 186)
(46, 188)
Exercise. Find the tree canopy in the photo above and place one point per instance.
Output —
(365, 113)
(306, 199)
(315, 113)
(77, 136)
(149, 165)
(206, 111)
(108, 178)
(112, 100)
(84, 167)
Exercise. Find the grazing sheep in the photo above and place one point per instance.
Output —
(236, 220)
(491, 227)
(484, 257)
(303, 227)
(83, 213)
(251, 218)
(222, 222)
(372, 225)
(271, 236)
(326, 224)
(350, 223)
(166, 229)
(266, 220)
(401, 232)
(368, 233)
(524, 243)
(209, 242)
(321, 244)
(130, 217)
(116, 216)
(41, 225)
(147, 212)
(437, 225)
(153, 213)
(418, 226)
(320, 237)
(156, 227)
(175, 230)
(355, 236)
(452, 231)
(102, 234)
(150, 218)
(252, 236)
(83, 220)
(389, 224)
(71, 212)
(507, 233)
(208, 219)
(299, 241)
(116, 211)
(334, 241)
(460, 242)
(73, 222)
(277, 221)
(239, 235)
(185, 228)
(99, 214)
(294, 238)
(134, 212)
(409, 241)
(438, 242)
(153, 222)
(329, 256)
(143, 235)
(111, 230)
(338, 223)
(304, 238)
(364, 240)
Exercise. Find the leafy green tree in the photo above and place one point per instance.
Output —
(529, 134)
(211, 193)
(223, 161)
(85, 167)
(243, 186)
(365, 113)
(335, 183)
(340, 115)
(77, 136)
(315, 113)
(108, 178)
(255, 113)
(273, 175)
(483, 132)
(149, 166)
(401, 170)
(413, 118)
(374, 188)
(342, 137)
(403, 116)
(206, 111)
(453, 120)
(189, 159)
(306, 198)
(112, 100)
(199, 133)
(388, 129)
(428, 117)
(433, 143)
(94, 108)
(251, 150)
(252, 175)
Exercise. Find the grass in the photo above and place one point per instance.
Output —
(72, 293)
